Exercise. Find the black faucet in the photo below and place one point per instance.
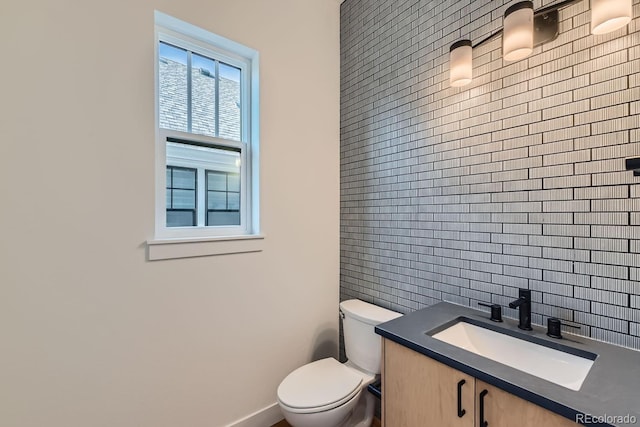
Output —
(524, 303)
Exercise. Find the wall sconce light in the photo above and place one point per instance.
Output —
(609, 15)
(517, 40)
(460, 58)
(525, 28)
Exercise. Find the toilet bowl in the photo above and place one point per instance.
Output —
(324, 393)
(327, 393)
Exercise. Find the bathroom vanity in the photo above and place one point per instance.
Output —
(428, 381)
(420, 391)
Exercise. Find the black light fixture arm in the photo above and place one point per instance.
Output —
(557, 6)
(488, 38)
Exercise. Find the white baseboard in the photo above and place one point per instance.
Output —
(265, 417)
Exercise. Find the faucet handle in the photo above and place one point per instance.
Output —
(554, 327)
(496, 311)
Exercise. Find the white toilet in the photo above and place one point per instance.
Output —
(327, 393)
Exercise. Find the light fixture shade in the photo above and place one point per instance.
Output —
(460, 63)
(609, 15)
(517, 39)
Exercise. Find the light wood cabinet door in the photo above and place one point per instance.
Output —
(419, 392)
(502, 409)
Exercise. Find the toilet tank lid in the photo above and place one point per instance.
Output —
(368, 313)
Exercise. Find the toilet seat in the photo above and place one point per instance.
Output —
(319, 386)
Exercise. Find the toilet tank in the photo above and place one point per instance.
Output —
(362, 345)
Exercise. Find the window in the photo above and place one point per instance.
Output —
(181, 197)
(223, 198)
(206, 118)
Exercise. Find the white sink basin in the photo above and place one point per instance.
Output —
(557, 366)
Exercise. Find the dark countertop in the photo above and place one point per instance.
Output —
(612, 387)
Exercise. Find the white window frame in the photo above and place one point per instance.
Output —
(197, 40)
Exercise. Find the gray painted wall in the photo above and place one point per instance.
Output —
(517, 180)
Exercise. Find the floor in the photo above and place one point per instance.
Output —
(283, 423)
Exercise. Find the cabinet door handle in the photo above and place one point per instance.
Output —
(483, 423)
(461, 411)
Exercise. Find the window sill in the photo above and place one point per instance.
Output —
(161, 249)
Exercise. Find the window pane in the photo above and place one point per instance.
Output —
(216, 181)
(184, 199)
(203, 95)
(172, 94)
(234, 182)
(229, 120)
(181, 193)
(184, 178)
(217, 200)
(223, 218)
(233, 201)
(181, 218)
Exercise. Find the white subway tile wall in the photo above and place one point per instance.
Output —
(514, 181)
